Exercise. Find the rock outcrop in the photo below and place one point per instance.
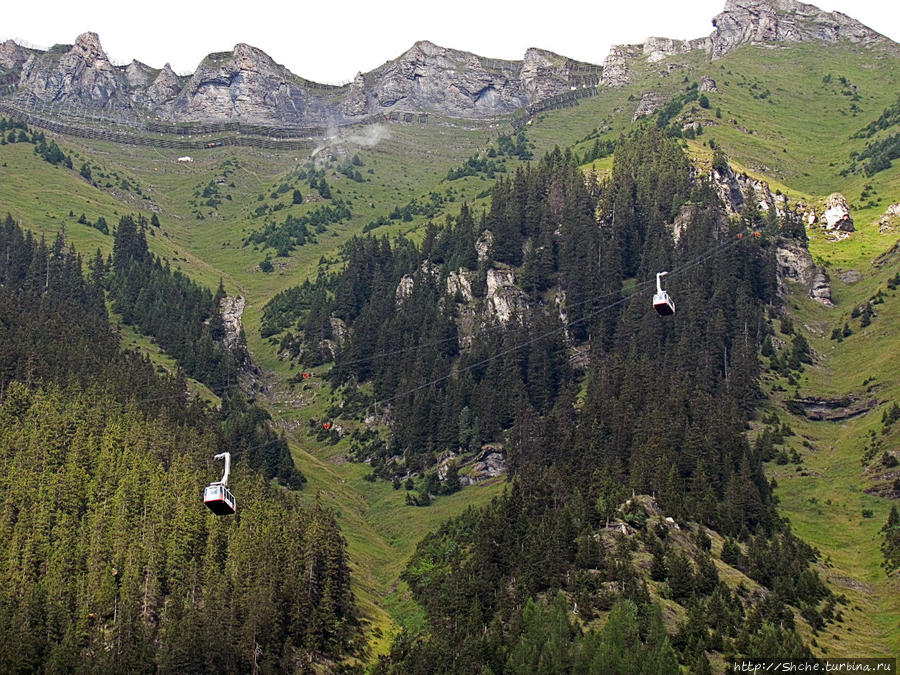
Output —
(544, 74)
(836, 216)
(504, 299)
(83, 76)
(244, 85)
(616, 68)
(12, 56)
(745, 22)
(820, 291)
(489, 463)
(733, 189)
(761, 21)
(429, 77)
(165, 86)
(658, 48)
(650, 102)
(232, 309)
(795, 264)
(707, 84)
(890, 220)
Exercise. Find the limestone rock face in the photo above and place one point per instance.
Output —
(139, 74)
(616, 71)
(232, 310)
(489, 463)
(732, 189)
(12, 56)
(404, 288)
(658, 48)
(246, 85)
(243, 85)
(483, 245)
(649, 104)
(83, 76)
(820, 291)
(165, 87)
(504, 298)
(543, 75)
(357, 101)
(837, 214)
(796, 265)
(458, 284)
(457, 83)
(760, 21)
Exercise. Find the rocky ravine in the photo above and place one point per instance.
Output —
(246, 85)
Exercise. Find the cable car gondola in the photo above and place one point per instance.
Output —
(662, 303)
(217, 496)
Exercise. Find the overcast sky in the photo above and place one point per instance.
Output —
(330, 41)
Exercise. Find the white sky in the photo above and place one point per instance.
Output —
(330, 42)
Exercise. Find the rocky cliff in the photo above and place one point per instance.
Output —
(744, 22)
(79, 76)
(246, 85)
(759, 21)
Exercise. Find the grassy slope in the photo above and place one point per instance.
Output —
(826, 504)
(801, 115)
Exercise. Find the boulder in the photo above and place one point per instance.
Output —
(836, 216)
(649, 104)
(708, 84)
(890, 220)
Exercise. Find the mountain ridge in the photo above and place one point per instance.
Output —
(247, 85)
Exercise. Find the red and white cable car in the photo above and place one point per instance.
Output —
(662, 303)
(217, 496)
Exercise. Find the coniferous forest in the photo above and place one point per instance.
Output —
(623, 434)
(109, 561)
(492, 363)
(660, 410)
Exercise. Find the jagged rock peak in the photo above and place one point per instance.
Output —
(12, 55)
(87, 47)
(81, 76)
(248, 57)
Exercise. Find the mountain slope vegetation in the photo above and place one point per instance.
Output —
(108, 563)
(439, 294)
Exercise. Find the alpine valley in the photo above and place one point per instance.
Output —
(420, 313)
